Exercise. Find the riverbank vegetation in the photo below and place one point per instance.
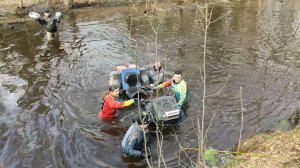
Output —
(14, 11)
(277, 149)
(11, 7)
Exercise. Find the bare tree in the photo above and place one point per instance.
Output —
(205, 20)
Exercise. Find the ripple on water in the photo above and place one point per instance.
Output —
(12, 88)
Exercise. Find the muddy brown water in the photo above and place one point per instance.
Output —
(51, 92)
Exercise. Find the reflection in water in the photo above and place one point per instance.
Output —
(118, 132)
(50, 92)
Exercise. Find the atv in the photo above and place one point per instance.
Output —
(132, 81)
(163, 110)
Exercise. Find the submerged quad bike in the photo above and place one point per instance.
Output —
(162, 110)
(132, 81)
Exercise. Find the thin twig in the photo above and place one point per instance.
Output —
(209, 126)
(197, 96)
(176, 138)
(242, 118)
(210, 14)
(133, 5)
(201, 75)
(198, 6)
(161, 156)
(218, 92)
(287, 42)
(220, 17)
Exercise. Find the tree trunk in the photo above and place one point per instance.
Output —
(21, 4)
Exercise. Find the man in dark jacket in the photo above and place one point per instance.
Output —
(50, 23)
(133, 142)
(155, 73)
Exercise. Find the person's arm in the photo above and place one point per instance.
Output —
(115, 104)
(58, 17)
(160, 77)
(148, 67)
(183, 92)
(165, 84)
(41, 21)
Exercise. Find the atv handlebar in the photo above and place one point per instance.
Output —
(142, 101)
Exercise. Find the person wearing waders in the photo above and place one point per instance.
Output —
(49, 22)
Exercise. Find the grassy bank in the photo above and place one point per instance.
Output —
(13, 7)
(278, 149)
(10, 11)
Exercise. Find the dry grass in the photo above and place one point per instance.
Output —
(16, 2)
(279, 149)
(30, 2)
(10, 13)
(11, 7)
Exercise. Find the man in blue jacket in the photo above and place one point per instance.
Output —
(133, 142)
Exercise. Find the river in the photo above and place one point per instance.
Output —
(51, 92)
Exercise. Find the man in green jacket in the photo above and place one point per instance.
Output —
(50, 23)
(179, 87)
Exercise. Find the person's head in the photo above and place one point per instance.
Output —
(157, 65)
(47, 12)
(113, 90)
(143, 121)
(177, 76)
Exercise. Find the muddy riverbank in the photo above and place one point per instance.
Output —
(11, 12)
(277, 149)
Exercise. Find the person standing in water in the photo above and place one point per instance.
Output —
(179, 86)
(133, 143)
(49, 22)
(155, 73)
(110, 105)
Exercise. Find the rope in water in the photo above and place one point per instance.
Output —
(239, 153)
